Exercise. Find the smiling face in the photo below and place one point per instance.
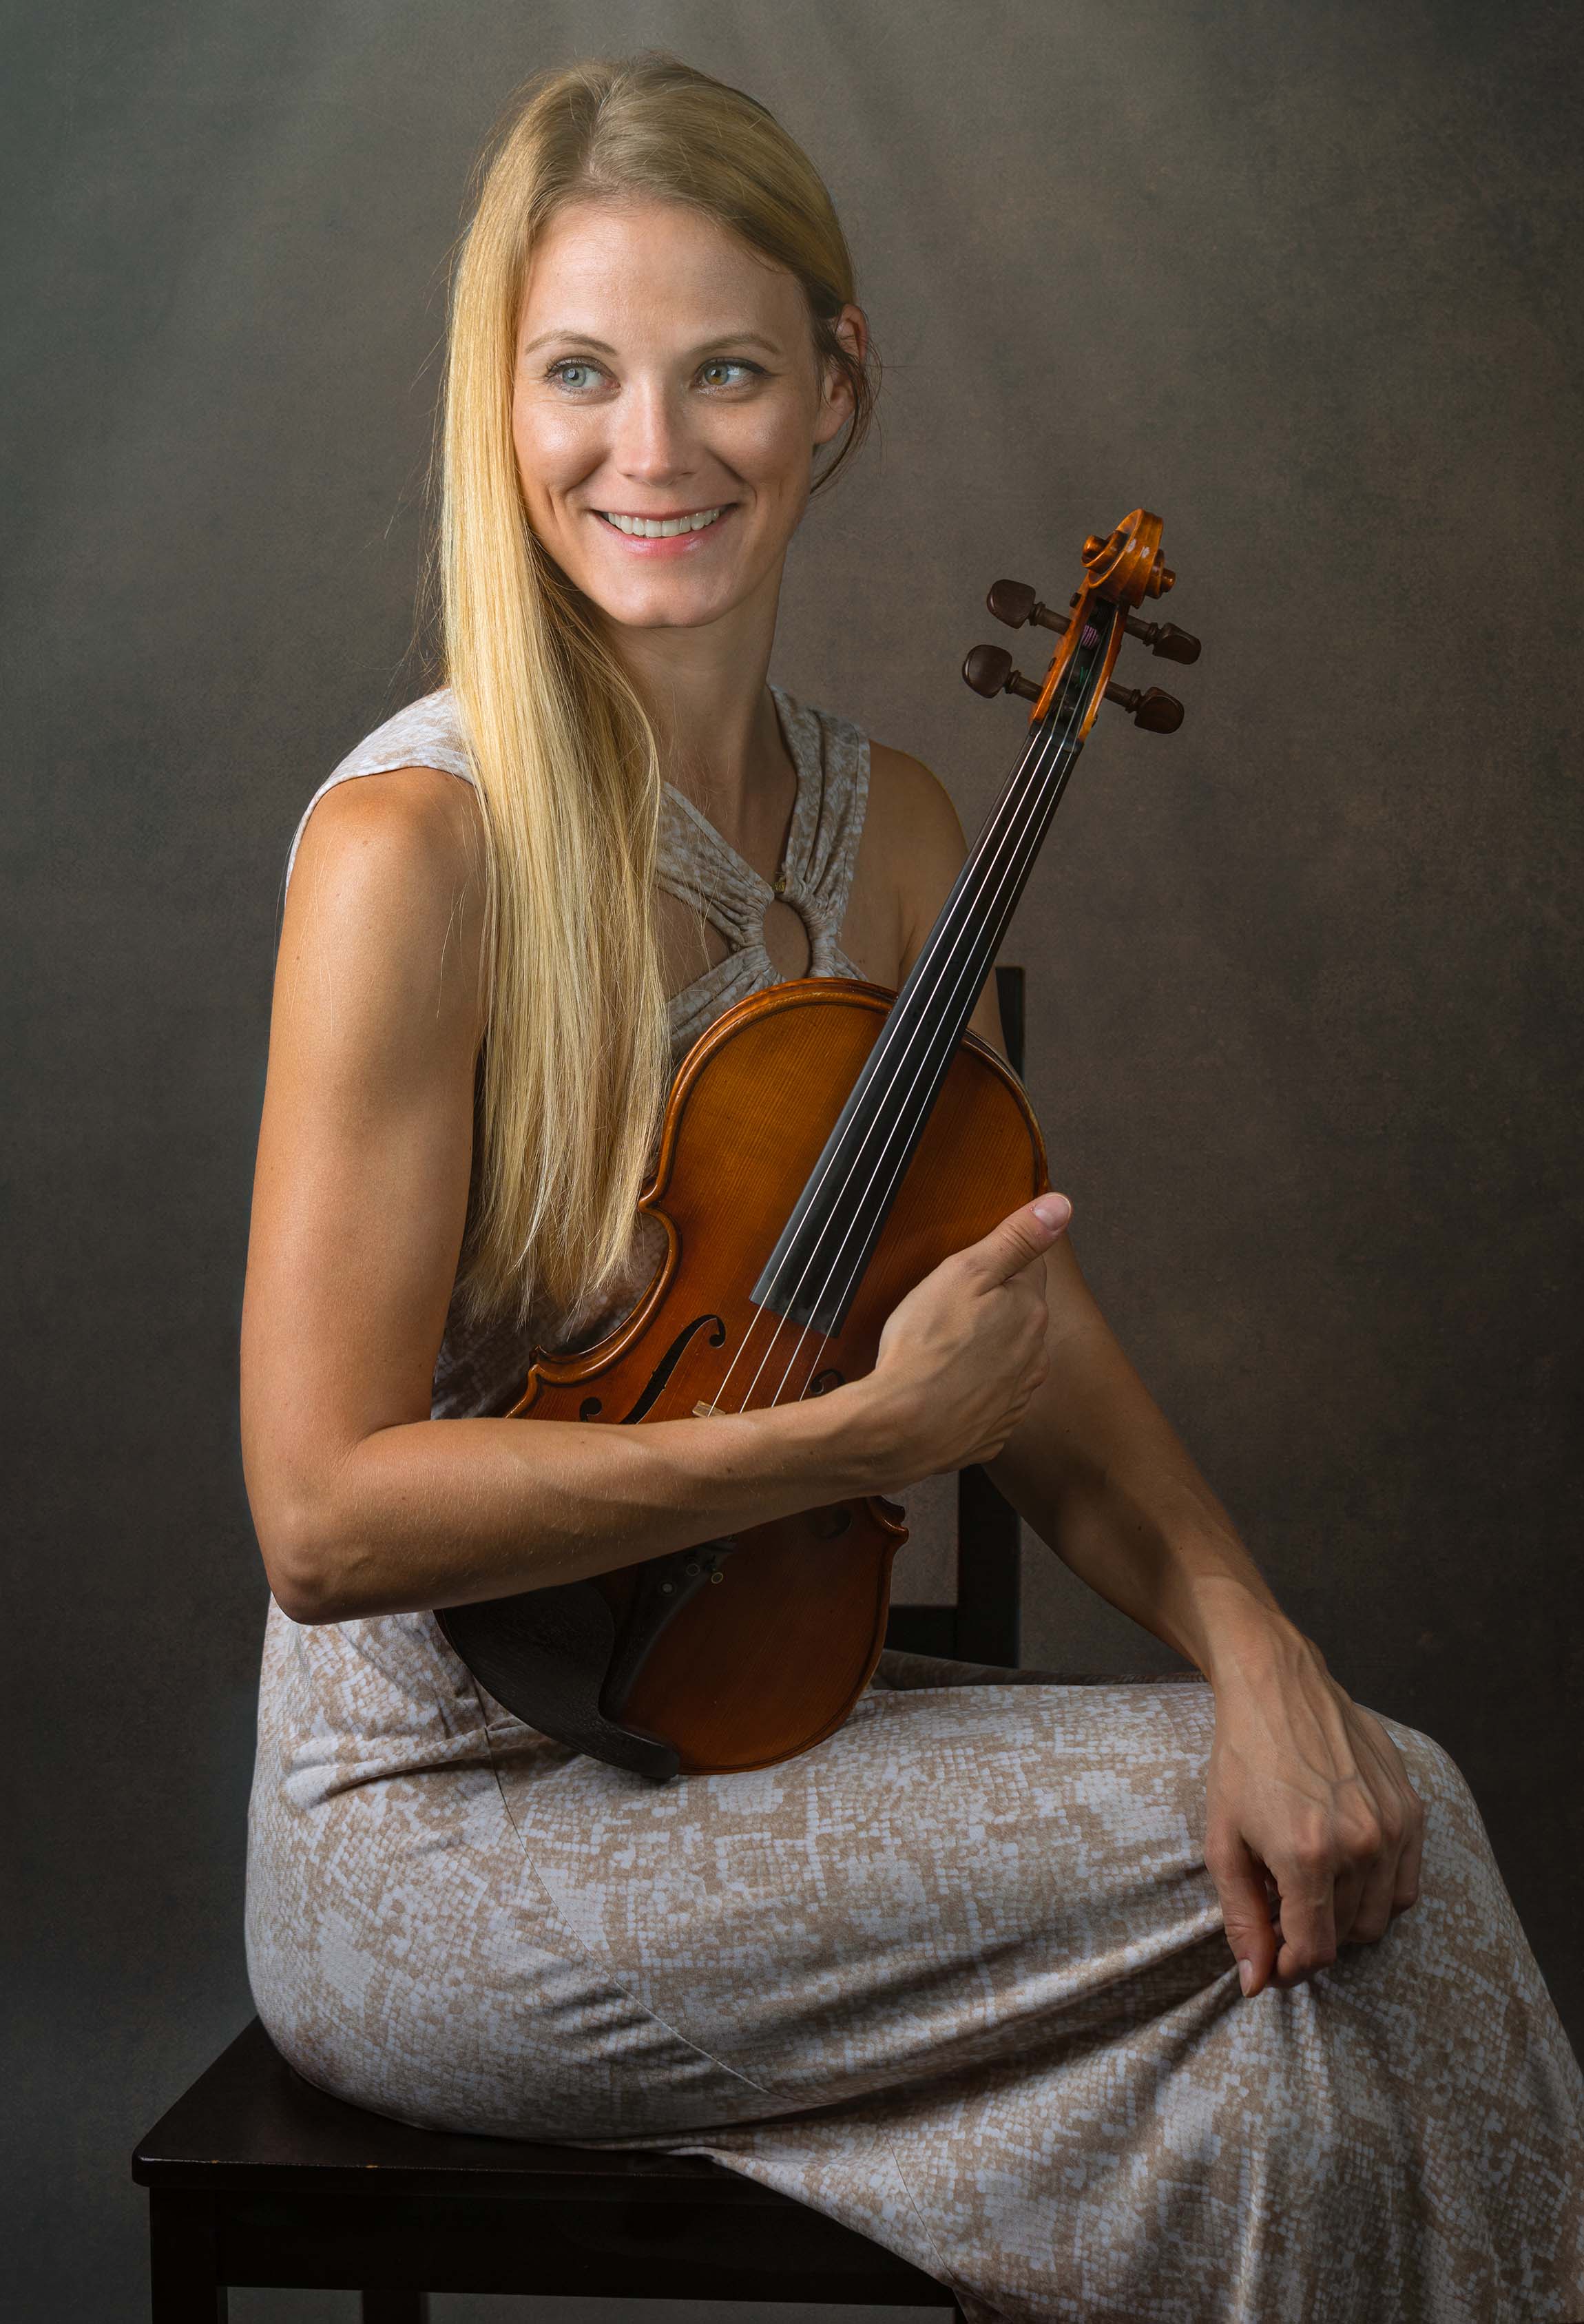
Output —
(667, 400)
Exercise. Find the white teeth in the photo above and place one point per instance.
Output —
(656, 528)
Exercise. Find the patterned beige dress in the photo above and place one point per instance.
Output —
(957, 1976)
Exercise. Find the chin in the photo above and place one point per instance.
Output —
(665, 608)
(659, 602)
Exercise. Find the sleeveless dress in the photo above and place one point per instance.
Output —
(957, 1977)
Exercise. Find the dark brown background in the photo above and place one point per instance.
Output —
(1303, 981)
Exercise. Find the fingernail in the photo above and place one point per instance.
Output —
(1053, 1211)
(1245, 1974)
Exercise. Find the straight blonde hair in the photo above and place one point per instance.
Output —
(575, 1057)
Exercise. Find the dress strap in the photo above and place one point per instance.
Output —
(830, 758)
(427, 734)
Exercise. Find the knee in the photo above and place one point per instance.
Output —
(1433, 1771)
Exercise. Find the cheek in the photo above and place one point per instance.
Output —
(555, 445)
(770, 444)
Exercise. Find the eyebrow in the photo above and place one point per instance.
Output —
(603, 347)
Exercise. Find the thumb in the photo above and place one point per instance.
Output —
(1021, 1239)
(1239, 1882)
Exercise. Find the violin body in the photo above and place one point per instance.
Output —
(826, 1146)
(765, 1660)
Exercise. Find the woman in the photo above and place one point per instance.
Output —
(1083, 1997)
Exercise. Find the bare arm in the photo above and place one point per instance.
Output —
(1309, 1805)
(1308, 1801)
(364, 1506)
(1100, 1475)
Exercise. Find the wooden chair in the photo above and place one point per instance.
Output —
(256, 2178)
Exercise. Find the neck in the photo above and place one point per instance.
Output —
(705, 692)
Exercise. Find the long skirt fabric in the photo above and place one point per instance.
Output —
(957, 1977)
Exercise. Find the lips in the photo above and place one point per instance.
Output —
(659, 527)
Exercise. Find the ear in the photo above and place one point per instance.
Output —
(851, 330)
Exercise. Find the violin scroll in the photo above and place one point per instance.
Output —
(1121, 569)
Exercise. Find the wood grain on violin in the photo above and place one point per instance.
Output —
(826, 1146)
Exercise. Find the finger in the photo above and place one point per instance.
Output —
(1410, 1864)
(1348, 1894)
(1308, 1924)
(1240, 1883)
(1373, 1916)
(1406, 1825)
(1021, 1239)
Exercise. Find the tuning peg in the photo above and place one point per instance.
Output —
(989, 670)
(1165, 640)
(1013, 603)
(1156, 713)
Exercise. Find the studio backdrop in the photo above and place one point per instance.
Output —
(1302, 980)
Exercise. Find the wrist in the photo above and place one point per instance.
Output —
(1247, 1637)
(869, 1438)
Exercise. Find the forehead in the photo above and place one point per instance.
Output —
(607, 267)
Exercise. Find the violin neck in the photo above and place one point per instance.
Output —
(814, 1270)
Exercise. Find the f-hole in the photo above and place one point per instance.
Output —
(671, 1358)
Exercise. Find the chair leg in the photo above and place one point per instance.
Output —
(183, 2260)
(395, 2308)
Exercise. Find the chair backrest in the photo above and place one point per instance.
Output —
(983, 1626)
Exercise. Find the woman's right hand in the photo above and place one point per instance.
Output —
(962, 1355)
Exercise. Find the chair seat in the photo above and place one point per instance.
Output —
(255, 2177)
(251, 2121)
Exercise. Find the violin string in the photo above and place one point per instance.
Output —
(898, 1157)
(940, 936)
(1000, 867)
(1033, 769)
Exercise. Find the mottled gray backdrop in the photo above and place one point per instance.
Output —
(1303, 982)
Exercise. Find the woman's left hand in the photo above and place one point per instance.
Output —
(1310, 1811)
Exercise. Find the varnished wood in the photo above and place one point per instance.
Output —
(771, 1659)
(771, 1189)
(1125, 567)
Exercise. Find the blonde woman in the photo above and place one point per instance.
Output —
(1190, 2001)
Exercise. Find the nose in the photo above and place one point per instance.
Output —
(654, 442)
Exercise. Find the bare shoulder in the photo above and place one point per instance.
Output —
(386, 896)
(911, 802)
(918, 851)
(917, 837)
(411, 821)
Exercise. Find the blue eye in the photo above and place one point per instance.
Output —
(575, 374)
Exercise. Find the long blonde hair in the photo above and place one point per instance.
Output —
(575, 1057)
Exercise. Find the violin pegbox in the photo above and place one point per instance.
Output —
(1121, 569)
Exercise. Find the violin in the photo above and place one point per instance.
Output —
(825, 1144)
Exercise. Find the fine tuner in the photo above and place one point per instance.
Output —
(989, 670)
